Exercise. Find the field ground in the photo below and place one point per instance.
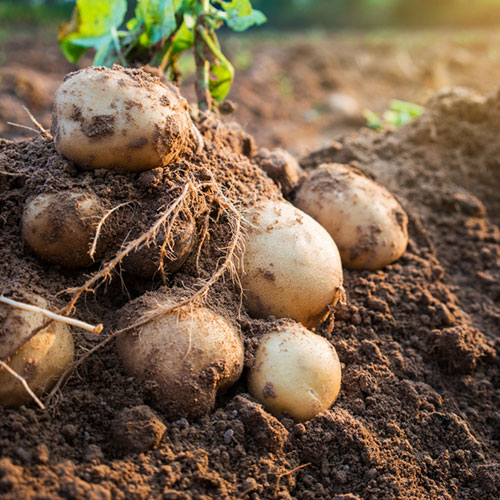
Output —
(418, 414)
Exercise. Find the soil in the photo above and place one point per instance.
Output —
(417, 415)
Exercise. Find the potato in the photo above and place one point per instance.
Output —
(295, 372)
(281, 167)
(184, 357)
(41, 360)
(59, 228)
(291, 267)
(145, 262)
(119, 118)
(365, 220)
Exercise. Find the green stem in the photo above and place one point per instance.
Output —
(166, 59)
(116, 43)
(217, 52)
(202, 64)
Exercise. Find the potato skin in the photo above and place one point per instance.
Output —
(59, 228)
(119, 118)
(291, 266)
(185, 358)
(365, 220)
(295, 372)
(41, 360)
(145, 262)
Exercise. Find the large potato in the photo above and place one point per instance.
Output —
(295, 372)
(365, 220)
(185, 357)
(41, 360)
(119, 118)
(291, 266)
(60, 228)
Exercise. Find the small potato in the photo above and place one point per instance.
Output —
(145, 262)
(295, 372)
(41, 360)
(59, 228)
(291, 266)
(365, 220)
(281, 166)
(119, 118)
(185, 357)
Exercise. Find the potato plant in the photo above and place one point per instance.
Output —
(284, 259)
(159, 33)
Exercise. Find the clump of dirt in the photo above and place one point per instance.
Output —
(417, 415)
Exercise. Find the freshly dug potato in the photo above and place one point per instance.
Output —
(119, 118)
(281, 166)
(41, 361)
(291, 266)
(185, 357)
(365, 220)
(145, 262)
(295, 372)
(59, 228)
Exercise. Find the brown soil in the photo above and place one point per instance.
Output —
(417, 415)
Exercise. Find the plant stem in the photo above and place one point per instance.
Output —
(202, 64)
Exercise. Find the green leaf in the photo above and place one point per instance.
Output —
(414, 110)
(90, 26)
(91, 42)
(241, 16)
(158, 19)
(71, 51)
(184, 38)
(97, 17)
(373, 120)
(105, 55)
(220, 80)
(399, 114)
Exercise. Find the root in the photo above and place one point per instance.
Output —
(37, 123)
(199, 138)
(39, 128)
(227, 265)
(51, 317)
(204, 235)
(24, 383)
(18, 125)
(287, 473)
(105, 272)
(55, 317)
(166, 243)
(11, 174)
(93, 247)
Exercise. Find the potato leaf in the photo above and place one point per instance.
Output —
(157, 17)
(184, 38)
(91, 26)
(241, 15)
(220, 81)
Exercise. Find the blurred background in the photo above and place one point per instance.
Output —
(316, 69)
(307, 14)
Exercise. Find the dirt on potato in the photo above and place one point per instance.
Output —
(418, 413)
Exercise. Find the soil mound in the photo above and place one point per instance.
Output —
(418, 412)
